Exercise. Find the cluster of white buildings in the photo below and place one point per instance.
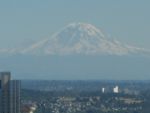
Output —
(115, 89)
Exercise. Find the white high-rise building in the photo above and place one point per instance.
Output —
(103, 90)
(116, 89)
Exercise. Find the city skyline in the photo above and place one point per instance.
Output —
(74, 56)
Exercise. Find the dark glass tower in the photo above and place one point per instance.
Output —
(9, 94)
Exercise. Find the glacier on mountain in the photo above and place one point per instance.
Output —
(78, 38)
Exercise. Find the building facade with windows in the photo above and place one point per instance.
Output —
(9, 94)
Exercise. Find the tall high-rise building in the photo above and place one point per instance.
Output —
(9, 94)
(116, 89)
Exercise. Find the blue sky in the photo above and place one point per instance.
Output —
(24, 21)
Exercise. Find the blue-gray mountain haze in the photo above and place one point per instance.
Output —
(78, 51)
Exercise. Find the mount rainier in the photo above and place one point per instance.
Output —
(78, 51)
(77, 38)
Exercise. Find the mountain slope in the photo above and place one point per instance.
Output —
(78, 38)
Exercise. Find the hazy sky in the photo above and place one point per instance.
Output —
(23, 21)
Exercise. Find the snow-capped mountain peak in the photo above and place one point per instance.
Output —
(80, 38)
(85, 28)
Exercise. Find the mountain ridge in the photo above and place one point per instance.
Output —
(78, 38)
